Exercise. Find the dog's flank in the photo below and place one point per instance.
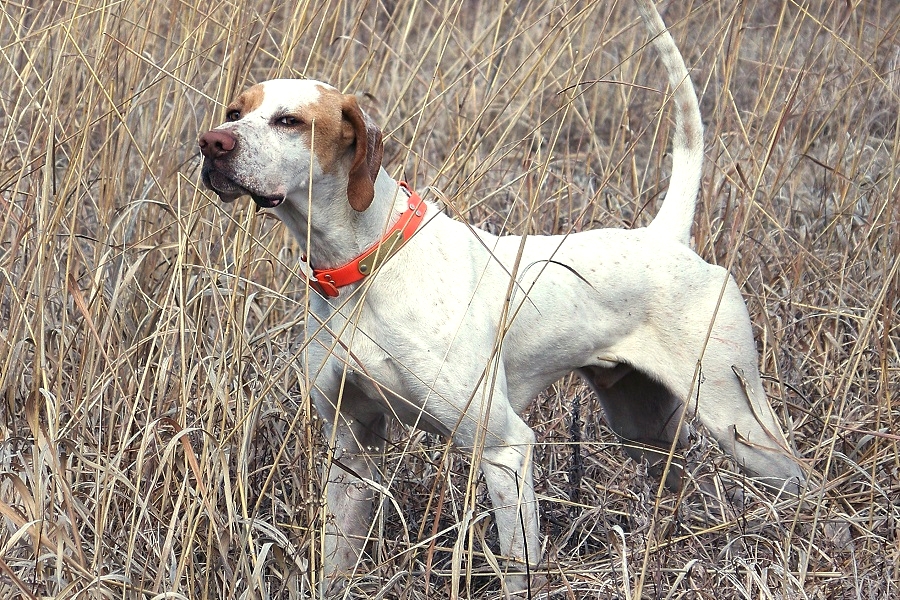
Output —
(459, 330)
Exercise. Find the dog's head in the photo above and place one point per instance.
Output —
(281, 135)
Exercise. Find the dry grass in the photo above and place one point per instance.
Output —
(154, 441)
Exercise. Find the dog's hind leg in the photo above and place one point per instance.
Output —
(733, 407)
(644, 396)
(729, 398)
(730, 403)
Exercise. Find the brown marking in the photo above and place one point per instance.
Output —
(248, 101)
(344, 135)
(325, 116)
(367, 155)
(685, 106)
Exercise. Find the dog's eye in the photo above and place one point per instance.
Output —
(233, 115)
(289, 121)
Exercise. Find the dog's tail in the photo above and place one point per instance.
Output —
(676, 215)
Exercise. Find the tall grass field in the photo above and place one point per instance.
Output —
(156, 434)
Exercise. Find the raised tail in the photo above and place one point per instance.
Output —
(676, 215)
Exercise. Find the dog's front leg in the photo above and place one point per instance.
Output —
(507, 468)
(349, 498)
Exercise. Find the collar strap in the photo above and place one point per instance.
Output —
(328, 281)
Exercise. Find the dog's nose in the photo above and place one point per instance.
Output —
(216, 144)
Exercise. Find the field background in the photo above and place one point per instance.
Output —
(154, 439)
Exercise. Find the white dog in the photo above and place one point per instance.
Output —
(454, 330)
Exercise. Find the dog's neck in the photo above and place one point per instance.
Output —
(335, 232)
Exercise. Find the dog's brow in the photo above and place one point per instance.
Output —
(290, 95)
(288, 109)
(251, 98)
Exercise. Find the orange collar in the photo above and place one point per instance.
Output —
(327, 281)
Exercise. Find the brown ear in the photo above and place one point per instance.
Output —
(367, 155)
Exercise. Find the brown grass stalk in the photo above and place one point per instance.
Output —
(156, 435)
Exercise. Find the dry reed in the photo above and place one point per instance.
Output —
(154, 439)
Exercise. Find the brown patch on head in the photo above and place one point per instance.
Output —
(345, 135)
(325, 116)
(248, 100)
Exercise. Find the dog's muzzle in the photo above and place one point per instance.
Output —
(218, 146)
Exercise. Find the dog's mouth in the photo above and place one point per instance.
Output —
(229, 191)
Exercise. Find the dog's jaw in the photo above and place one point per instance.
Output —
(228, 190)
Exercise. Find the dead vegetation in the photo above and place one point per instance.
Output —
(155, 437)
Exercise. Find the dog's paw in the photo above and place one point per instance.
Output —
(520, 587)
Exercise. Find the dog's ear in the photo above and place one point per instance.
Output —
(368, 150)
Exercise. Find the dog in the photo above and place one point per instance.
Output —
(422, 318)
